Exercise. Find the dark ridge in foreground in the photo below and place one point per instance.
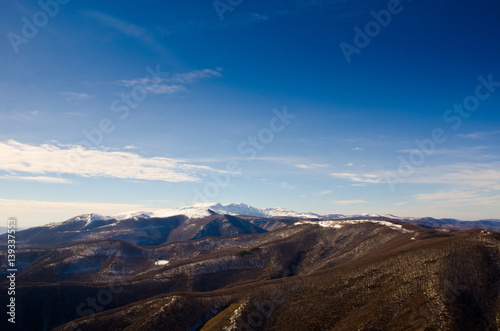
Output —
(365, 275)
(443, 283)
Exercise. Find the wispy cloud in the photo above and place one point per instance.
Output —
(326, 192)
(41, 179)
(485, 176)
(479, 175)
(171, 84)
(453, 195)
(165, 89)
(70, 96)
(350, 202)
(461, 151)
(357, 149)
(255, 14)
(194, 76)
(360, 178)
(461, 197)
(19, 159)
(288, 186)
(25, 115)
(312, 165)
(129, 29)
(179, 78)
(479, 135)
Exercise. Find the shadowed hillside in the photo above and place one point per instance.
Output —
(448, 283)
(329, 274)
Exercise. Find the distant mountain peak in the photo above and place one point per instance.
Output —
(87, 217)
(200, 210)
(205, 209)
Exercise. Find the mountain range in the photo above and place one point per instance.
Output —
(236, 267)
(146, 228)
(207, 209)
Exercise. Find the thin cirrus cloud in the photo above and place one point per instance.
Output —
(288, 8)
(350, 202)
(129, 29)
(311, 166)
(288, 186)
(165, 89)
(194, 75)
(70, 96)
(171, 84)
(360, 178)
(19, 159)
(460, 197)
(479, 135)
(24, 115)
(464, 151)
(451, 195)
(40, 179)
(479, 175)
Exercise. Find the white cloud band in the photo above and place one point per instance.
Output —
(75, 160)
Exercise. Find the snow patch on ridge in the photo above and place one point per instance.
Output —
(339, 224)
(85, 217)
(162, 262)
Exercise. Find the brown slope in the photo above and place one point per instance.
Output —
(200, 265)
(444, 283)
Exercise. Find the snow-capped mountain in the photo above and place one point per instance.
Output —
(203, 210)
(243, 209)
(150, 228)
(211, 208)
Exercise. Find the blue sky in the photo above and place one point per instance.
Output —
(109, 107)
